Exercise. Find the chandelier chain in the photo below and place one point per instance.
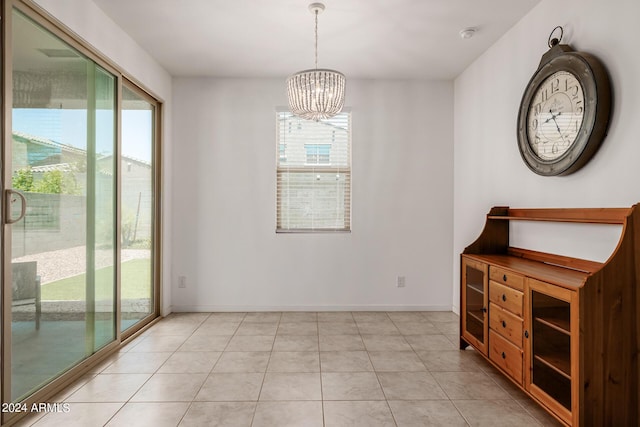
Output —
(316, 34)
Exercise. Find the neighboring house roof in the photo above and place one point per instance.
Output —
(129, 159)
(23, 137)
(63, 167)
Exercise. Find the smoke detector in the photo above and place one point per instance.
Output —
(467, 33)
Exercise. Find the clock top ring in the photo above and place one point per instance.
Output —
(564, 111)
(553, 40)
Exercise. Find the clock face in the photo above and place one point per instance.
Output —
(555, 115)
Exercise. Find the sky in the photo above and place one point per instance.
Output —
(69, 127)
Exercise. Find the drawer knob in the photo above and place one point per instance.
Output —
(484, 309)
(504, 356)
(504, 324)
(526, 334)
(504, 297)
(504, 277)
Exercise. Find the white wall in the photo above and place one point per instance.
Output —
(223, 216)
(224, 204)
(89, 22)
(488, 169)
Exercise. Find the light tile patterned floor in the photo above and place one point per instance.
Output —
(297, 369)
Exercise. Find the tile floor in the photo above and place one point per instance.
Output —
(296, 369)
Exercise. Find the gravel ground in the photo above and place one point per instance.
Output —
(56, 265)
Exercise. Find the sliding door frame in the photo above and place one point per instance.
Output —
(156, 182)
(50, 23)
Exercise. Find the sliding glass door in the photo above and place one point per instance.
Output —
(62, 208)
(138, 200)
(80, 197)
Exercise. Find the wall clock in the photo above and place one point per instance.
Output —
(564, 112)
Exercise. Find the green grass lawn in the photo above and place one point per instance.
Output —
(136, 283)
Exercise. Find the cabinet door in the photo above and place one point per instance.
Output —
(551, 347)
(474, 326)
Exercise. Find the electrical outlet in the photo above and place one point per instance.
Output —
(182, 281)
(400, 281)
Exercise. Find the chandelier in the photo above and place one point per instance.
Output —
(318, 93)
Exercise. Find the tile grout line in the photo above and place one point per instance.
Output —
(264, 377)
(421, 361)
(103, 374)
(153, 373)
(460, 412)
(386, 399)
(193, 400)
(210, 370)
(375, 372)
(324, 421)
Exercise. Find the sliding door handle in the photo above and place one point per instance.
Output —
(10, 197)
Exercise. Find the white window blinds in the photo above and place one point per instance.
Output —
(314, 173)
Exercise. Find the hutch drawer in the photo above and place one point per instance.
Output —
(507, 356)
(506, 324)
(507, 277)
(506, 297)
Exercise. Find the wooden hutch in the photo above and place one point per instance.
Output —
(565, 330)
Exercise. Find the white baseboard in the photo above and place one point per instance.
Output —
(246, 308)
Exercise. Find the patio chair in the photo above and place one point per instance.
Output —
(26, 286)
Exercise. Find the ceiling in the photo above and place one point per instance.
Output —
(399, 39)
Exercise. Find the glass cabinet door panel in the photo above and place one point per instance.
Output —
(474, 300)
(475, 303)
(551, 346)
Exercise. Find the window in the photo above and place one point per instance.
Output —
(318, 154)
(313, 173)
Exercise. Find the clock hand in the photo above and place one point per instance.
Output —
(556, 122)
(553, 117)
